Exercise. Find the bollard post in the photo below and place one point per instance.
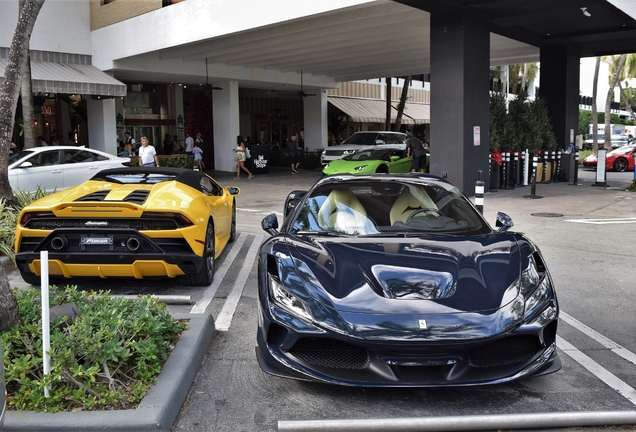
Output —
(513, 170)
(558, 164)
(517, 170)
(526, 167)
(576, 168)
(479, 193)
(554, 167)
(504, 171)
(546, 157)
(535, 163)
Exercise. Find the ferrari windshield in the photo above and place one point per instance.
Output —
(387, 207)
(365, 155)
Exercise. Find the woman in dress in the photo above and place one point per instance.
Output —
(239, 152)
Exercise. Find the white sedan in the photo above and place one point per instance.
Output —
(57, 167)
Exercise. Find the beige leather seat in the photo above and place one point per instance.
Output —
(342, 211)
(411, 199)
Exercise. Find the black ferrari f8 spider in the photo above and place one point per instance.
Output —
(397, 280)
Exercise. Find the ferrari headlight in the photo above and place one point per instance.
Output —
(288, 301)
(360, 168)
(535, 286)
(538, 299)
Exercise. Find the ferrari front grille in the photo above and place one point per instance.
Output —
(510, 350)
(330, 353)
(142, 224)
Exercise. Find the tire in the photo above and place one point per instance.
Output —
(31, 278)
(205, 276)
(382, 169)
(233, 228)
(620, 164)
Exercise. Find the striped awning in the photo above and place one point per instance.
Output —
(70, 78)
(374, 110)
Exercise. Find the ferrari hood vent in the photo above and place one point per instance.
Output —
(95, 196)
(137, 197)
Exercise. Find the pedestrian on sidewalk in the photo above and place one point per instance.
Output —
(240, 154)
(293, 150)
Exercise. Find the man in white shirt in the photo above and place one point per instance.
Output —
(41, 142)
(147, 154)
(189, 143)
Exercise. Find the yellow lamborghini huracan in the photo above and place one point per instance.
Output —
(130, 222)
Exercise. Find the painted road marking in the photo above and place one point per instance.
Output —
(597, 370)
(263, 212)
(607, 343)
(224, 319)
(219, 274)
(604, 221)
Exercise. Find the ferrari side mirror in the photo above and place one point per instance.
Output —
(270, 224)
(504, 222)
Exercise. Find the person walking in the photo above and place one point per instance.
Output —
(415, 149)
(189, 141)
(240, 154)
(167, 144)
(147, 154)
(176, 145)
(197, 151)
(293, 150)
(130, 140)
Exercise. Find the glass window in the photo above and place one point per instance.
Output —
(75, 156)
(51, 157)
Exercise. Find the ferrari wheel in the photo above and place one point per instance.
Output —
(206, 274)
(620, 165)
(233, 228)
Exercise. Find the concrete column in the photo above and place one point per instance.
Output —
(460, 51)
(102, 131)
(225, 105)
(315, 108)
(178, 106)
(559, 84)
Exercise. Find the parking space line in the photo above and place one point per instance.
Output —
(597, 370)
(224, 319)
(219, 274)
(607, 343)
(263, 212)
(604, 221)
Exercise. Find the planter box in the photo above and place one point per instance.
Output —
(157, 411)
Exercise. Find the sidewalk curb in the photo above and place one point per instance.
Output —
(157, 411)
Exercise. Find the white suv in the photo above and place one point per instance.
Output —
(364, 141)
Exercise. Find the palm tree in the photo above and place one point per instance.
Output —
(615, 71)
(9, 90)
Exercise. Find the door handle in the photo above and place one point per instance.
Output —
(56, 171)
(93, 167)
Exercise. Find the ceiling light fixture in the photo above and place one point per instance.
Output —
(585, 12)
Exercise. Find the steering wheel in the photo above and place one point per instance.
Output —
(427, 211)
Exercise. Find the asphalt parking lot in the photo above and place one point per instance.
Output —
(587, 236)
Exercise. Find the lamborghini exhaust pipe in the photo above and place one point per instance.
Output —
(59, 243)
(133, 244)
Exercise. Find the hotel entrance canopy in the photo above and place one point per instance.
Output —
(374, 110)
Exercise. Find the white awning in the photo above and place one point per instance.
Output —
(70, 78)
(374, 110)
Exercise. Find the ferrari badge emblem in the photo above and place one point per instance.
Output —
(423, 325)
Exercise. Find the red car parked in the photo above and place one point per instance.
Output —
(621, 159)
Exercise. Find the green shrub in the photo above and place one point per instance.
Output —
(632, 187)
(175, 161)
(583, 154)
(9, 218)
(107, 358)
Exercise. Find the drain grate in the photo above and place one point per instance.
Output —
(547, 215)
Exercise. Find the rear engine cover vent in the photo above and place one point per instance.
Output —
(137, 197)
(95, 196)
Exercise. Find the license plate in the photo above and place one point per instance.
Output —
(97, 240)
